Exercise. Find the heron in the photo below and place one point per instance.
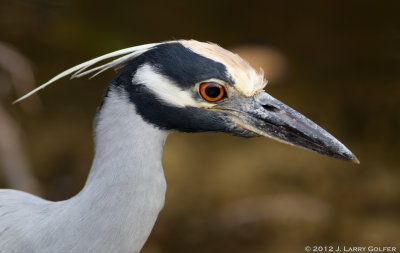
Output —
(160, 88)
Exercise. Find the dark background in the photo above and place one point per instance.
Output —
(227, 194)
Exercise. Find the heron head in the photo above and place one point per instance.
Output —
(191, 86)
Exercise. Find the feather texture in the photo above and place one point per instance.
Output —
(87, 67)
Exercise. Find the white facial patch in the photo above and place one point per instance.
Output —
(165, 89)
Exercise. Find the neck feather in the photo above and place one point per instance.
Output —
(126, 186)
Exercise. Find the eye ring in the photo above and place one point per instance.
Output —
(212, 91)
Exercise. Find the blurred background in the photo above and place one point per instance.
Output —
(338, 62)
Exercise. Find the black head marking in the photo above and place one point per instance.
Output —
(184, 119)
(167, 117)
(184, 66)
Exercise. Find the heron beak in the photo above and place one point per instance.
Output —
(263, 115)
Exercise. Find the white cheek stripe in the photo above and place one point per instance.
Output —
(165, 89)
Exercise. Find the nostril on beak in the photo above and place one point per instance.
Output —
(271, 108)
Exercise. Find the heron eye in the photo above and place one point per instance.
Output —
(212, 91)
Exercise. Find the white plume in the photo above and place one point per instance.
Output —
(87, 68)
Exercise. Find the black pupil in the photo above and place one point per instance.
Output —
(212, 90)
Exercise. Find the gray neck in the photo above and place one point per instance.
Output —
(126, 187)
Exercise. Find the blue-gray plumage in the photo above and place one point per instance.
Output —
(180, 85)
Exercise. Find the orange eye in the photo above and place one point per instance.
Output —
(212, 91)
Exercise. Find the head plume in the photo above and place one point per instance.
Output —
(89, 67)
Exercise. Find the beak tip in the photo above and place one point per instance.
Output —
(355, 160)
(343, 153)
(350, 157)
